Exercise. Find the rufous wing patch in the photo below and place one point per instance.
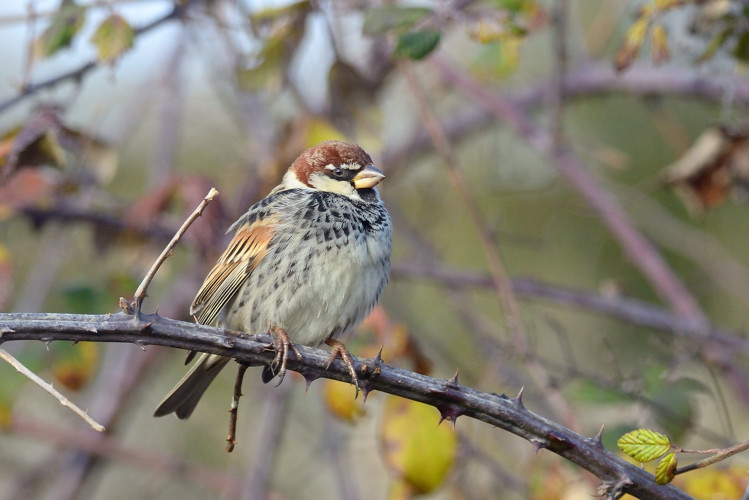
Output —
(246, 249)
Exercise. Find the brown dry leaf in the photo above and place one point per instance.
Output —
(75, 364)
(34, 144)
(45, 141)
(708, 171)
(27, 187)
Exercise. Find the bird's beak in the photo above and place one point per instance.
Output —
(369, 177)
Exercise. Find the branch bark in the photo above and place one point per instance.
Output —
(451, 399)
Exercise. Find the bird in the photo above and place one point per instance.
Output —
(307, 263)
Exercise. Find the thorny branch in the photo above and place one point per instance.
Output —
(450, 398)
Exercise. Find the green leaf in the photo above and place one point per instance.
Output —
(379, 20)
(58, 35)
(644, 445)
(112, 38)
(417, 44)
(741, 50)
(664, 473)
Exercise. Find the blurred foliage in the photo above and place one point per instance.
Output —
(98, 171)
(112, 38)
(419, 453)
(720, 24)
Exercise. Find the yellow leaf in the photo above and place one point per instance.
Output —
(339, 397)
(415, 448)
(113, 37)
(644, 445)
(632, 43)
(659, 42)
(664, 473)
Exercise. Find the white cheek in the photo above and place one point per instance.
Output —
(290, 181)
(325, 183)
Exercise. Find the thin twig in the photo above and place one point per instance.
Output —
(231, 439)
(721, 455)
(556, 95)
(499, 275)
(140, 293)
(48, 387)
(78, 73)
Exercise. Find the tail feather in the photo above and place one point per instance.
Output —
(185, 396)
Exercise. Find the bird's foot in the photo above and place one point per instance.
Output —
(338, 349)
(282, 345)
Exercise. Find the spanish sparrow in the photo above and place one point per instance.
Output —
(308, 262)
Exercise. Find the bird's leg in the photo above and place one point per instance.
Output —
(338, 349)
(282, 345)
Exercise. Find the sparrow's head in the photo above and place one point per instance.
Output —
(336, 167)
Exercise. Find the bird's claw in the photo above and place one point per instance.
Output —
(281, 345)
(338, 349)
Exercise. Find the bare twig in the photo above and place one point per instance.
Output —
(48, 387)
(719, 456)
(556, 96)
(231, 439)
(78, 73)
(140, 293)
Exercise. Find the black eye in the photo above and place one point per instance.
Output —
(338, 172)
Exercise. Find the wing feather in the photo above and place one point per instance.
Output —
(246, 249)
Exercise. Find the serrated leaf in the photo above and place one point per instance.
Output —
(60, 33)
(664, 473)
(417, 44)
(379, 20)
(644, 445)
(112, 38)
